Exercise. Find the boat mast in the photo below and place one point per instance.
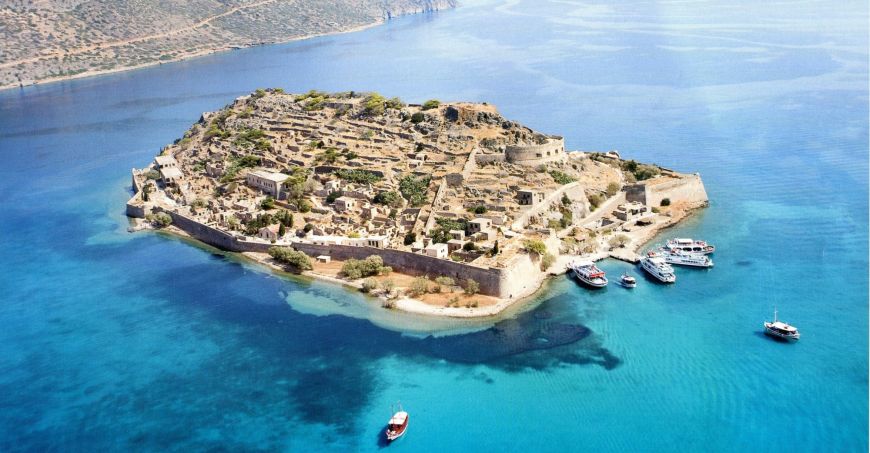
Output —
(774, 313)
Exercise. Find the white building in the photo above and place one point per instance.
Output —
(436, 250)
(344, 204)
(267, 181)
(479, 224)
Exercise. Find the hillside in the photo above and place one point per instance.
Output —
(56, 39)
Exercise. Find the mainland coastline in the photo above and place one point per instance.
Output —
(437, 209)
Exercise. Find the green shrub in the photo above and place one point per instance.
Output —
(431, 104)
(612, 188)
(410, 238)
(417, 117)
(547, 260)
(471, 287)
(373, 265)
(369, 285)
(419, 286)
(153, 175)
(666, 202)
(560, 177)
(358, 176)
(535, 246)
(334, 195)
(374, 104)
(414, 189)
(160, 220)
(445, 282)
(594, 200)
(618, 241)
(298, 260)
(391, 198)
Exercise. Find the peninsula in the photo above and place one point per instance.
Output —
(54, 40)
(441, 208)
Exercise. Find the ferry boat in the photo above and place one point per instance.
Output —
(781, 329)
(588, 273)
(627, 281)
(658, 268)
(686, 259)
(397, 425)
(689, 246)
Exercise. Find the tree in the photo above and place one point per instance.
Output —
(414, 189)
(471, 287)
(618, 241)
(282, 230)
(160, 220)
(334, 196)
(494, 250)
(666, 202)
(469, 246)
(565, 200)
(410, 238)
(419, 286)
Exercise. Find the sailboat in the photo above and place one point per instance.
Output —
(781, 329)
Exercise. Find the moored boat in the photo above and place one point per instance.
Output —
(781, 329)
(658, 268)
(397, 425)
(685, 258)
(588, 273)
(689, 246)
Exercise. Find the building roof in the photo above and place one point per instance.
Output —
(436, 246)
(165, 160)
(481, 220)
(270, 175)
(170, 173)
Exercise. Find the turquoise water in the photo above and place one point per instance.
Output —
(142, 342)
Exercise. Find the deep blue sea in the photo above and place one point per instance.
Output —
(111, 341)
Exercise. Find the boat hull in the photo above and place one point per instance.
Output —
(591, 283)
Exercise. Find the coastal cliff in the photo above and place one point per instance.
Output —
(63, 39)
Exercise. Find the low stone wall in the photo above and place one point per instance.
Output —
(482, 159)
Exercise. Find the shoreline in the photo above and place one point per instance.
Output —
(190, 56)
(502, 308)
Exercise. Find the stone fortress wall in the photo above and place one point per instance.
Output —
(688, 188)
(551, 151)
(493, 281)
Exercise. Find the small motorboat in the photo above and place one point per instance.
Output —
(397, 425)
(781, 329)
(627, 281)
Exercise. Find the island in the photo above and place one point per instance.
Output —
(440, 208)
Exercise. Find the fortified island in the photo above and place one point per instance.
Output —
(441, 208)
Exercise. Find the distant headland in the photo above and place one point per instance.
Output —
(58, 40)
(440, 208)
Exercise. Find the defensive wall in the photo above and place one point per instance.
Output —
(551, 151)
(688, 188)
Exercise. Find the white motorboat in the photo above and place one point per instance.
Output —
(781, 329)
(627, 281)
(397, 425)
(689, 246)
(685, 258)
(588, 273)
(658, 268)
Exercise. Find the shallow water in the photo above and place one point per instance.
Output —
(119, 341)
